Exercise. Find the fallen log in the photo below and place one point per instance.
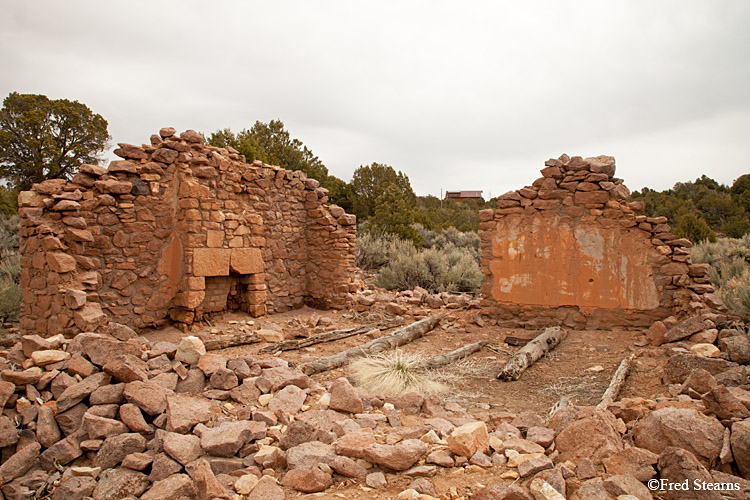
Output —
(399, 337)
(530, 353)
(216, 343)
(290, 345)
(616, 384)
(460, 353)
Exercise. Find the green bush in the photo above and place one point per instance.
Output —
(730, 270)
(693, 227)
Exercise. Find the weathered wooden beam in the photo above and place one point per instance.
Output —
(453, 356)
(616, 383)
(290, 345)
(392, 340)
(530, 353)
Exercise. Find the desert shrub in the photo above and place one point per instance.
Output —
(720, 251)
(693, 227)
(10, 285)
(375, 251)
(394, 373)
(9, 233)
(450, 237)
(406, 273)
(450, 269)
(10, 270)
(450, 264)
(730, 270)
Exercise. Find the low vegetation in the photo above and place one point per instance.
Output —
(703, 209)
(394, 373)
(449, 261)
(730, 270)
(10, 271)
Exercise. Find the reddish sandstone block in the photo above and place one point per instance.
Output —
(215, 239)
(211, 261)
(194, 190)
(591, 197)
(113, 186)
(246, 260)
(60, 262)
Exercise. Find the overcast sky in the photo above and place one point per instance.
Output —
(458, 95)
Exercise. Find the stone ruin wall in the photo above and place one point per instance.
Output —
(570, 250)
(175, 230)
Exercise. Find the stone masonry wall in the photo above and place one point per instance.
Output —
(138, 242)
(569, 250)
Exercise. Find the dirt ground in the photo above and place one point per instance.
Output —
(579, 369)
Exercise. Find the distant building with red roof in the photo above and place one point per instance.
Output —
(460, 196)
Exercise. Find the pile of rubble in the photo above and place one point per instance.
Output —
(417, 302)
(113, 416)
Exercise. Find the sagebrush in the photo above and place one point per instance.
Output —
(450, 269)
(730, 270)
(449, 264)
(10, 270)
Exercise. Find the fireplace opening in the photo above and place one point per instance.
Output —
(236, 292)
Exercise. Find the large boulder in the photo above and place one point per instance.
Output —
(740, 441)
(678, 467)
(593, 435)
(682, 428)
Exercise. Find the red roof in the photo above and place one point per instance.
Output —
(463, 194)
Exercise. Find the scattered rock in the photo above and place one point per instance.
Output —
(593, 435)
(723, 403)
(619, 485)
(307, 480)
(115, 484)
(190, 350)
(309, 455)
(376, 480)
(682, 428)
(678, 466)
(469, 438)
(344, 397)
(636, 462)
(173, 487)
(397, 457)
(267, 489)
(740, 441)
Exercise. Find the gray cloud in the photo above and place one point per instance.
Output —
(457, 96)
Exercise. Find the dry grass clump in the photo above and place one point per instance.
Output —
(395, 373)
